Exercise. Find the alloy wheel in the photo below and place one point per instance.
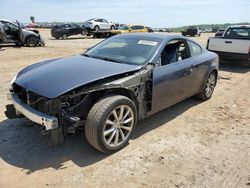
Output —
(118, 126)
(210, 85)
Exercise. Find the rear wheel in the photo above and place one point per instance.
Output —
(112, 27)
(110, 123)
(57, 37)
(31, 41)
(209, 88)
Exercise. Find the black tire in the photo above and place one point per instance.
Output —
(18, 44)
(205, 95)
(31, 41)
(84, 32)
(64, 36)
(96, 28)
(98, 117)
(57, 38)
(112, 27)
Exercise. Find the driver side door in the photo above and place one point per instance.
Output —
(173, 78)
(10, 32)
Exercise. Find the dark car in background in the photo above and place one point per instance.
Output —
(150, 30)
(65, 30)
(219, 33)
(111, 86)
(192, 31)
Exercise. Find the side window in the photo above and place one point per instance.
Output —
(104, 21)
(195, 49)
(72, 25)
(175, 50)
(1, 27)
(9, 28)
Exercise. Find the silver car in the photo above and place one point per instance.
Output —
(96, 24)
(15, 33)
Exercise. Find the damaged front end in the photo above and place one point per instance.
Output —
(68, 112)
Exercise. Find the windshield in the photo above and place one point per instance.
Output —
(129, 50)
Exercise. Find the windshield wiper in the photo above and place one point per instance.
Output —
(103, 58)
(107, 59)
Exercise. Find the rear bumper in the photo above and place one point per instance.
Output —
(49, 122)
(233, 56)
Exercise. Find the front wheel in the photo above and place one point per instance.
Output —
(31, 41)
(112, 27)
(96, 28)
(64, 36)
(209, 88)
(84, 32)
(110, 123)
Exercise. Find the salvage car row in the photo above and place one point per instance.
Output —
(16, 33)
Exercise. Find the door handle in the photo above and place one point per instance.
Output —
(228, 42)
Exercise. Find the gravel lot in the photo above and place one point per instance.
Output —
(191, 144)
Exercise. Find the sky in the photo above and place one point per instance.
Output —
(153, 13)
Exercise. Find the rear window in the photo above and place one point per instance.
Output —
(238, 33)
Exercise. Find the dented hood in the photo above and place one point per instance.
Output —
(55, 77)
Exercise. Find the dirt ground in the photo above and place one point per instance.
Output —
(191, 144)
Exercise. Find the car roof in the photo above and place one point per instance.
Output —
(5, 20)
(158, 36)
(8, 21)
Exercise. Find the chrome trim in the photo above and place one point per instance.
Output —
(49, 122)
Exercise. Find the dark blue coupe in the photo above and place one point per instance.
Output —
(111, 86)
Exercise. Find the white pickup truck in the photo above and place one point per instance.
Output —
(233, 45)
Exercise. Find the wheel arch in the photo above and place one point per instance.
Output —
(95, 96)
(213, 69)
(96, 25)
(119, 91)
(26, 37)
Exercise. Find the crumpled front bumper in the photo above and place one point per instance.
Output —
(49, 122)
(41, 41)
